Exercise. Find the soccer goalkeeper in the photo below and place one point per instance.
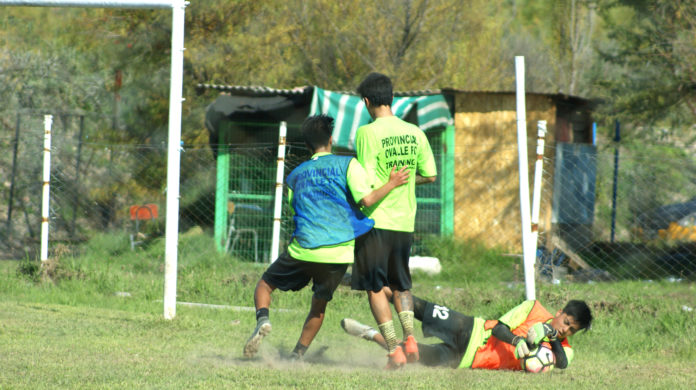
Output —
(472, 342)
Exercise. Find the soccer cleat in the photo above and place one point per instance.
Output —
(397, 359)
(263, 328)
(411, 347)
(354, 328)
(296, 357)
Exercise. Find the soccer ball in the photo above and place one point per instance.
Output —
(540, 359)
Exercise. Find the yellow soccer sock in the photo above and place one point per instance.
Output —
(406, 318)
(389, 334)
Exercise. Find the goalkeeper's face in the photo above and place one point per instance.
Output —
(565, 324)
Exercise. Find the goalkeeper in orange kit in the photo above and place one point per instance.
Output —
(473, 342)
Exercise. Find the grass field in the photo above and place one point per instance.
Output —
(98, 324)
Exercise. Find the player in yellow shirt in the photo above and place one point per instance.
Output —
(382, 255)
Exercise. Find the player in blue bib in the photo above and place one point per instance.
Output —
(325, 193)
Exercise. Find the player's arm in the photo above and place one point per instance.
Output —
(427, 170)
(503, 333)
(396, 178)
(361, 189)
(559, 353)
(541, 331)
(424, 179)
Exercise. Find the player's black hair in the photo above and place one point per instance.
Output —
(378, 89)
(580, 311)
(317, 130)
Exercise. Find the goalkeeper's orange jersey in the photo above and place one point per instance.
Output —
(486, 351)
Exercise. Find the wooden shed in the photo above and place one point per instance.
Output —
(486, 189)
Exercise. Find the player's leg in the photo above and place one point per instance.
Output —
(262, 294)
(284, 274)
(311, 327)
(370, 274)
(430, 355)
(399, 276)
(434, 355)
(381, 311)
(326, 279)
(450, 326)
(262, 301)
(419, 305)
(379, 305)
(357, 329)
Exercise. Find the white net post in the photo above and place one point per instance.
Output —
(278, 207)
(45, 200)
(173, 158)
(538, 173)
(527, 246)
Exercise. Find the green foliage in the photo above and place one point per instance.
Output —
(30, 269)
(422, 44)
(69, 57)
(650, 46)
(557, 39)
(107, 245)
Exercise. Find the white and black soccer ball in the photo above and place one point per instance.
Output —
(540, 359)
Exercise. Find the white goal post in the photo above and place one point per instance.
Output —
(528, 239)
(175, 101)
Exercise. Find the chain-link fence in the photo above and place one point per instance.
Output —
(611, 213)
(101, 186)
(637, 219)
(606, 213)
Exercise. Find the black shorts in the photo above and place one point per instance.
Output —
(450, 326)
(287, 273)
(381, 259)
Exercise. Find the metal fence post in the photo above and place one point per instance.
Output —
(617, 138)
(447, 184)
(222, 186)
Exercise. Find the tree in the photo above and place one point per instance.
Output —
(556, 38)
(420, 43)
(652, 57)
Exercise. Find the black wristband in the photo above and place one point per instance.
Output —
(516, 340)
(550, 332)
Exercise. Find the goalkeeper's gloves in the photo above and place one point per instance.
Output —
(540, 330)
(521, 348)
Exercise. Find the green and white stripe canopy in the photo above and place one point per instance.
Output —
(349, 112)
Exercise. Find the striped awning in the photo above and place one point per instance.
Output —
(349, 112)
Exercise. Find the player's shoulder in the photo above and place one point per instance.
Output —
(403, 123)
(412, 129)
(365, 129)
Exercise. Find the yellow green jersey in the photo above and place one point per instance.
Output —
(392, 142)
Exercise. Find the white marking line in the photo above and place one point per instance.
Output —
(238, 308)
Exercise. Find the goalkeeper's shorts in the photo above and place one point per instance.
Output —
(450, 326)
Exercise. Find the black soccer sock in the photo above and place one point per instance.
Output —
(300, 349)
(262, 312)
(419, 308)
